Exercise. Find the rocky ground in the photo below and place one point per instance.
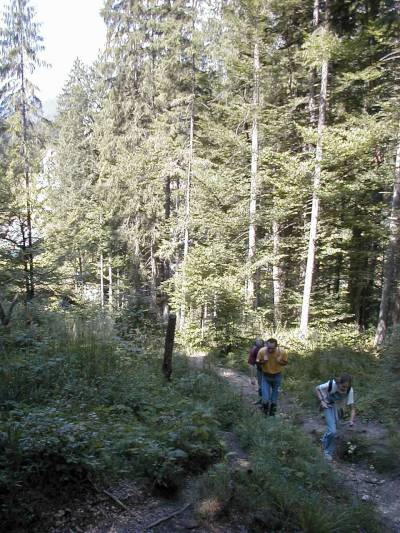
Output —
(126, 508)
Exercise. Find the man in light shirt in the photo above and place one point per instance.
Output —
(334, 393)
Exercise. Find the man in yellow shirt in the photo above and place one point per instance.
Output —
(271, 359)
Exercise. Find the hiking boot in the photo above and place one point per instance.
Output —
(272, 409)
(266, 408)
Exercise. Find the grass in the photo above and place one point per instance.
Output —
(288, 486)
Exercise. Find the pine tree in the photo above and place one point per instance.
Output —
(76, 228)
(21, 45)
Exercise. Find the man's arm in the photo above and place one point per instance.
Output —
(320, 397)
(282, 358)
(260, 355)
(352, 414)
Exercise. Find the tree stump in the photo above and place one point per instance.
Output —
(169, 346)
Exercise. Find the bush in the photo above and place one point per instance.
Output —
(83, 405)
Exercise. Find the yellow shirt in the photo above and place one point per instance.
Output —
(277, 359)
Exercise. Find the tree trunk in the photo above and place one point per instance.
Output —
(189, 180)
(169, 346)
(204, 313)
(81, 272)
(277, 275)
(311, 102)
(166, 267)
(250, 293)
(153, 275)
(110, 284)
(315, 202)
(25, 260)
(101, 266)
(118, 295)
(390, 300)
(25, 158)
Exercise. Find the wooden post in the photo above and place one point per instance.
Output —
(169, 346)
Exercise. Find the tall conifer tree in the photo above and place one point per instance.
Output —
(20, 47)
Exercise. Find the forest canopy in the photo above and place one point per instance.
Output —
(233, 161)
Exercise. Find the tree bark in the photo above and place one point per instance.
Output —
(311, 102)
(390, 299)
(25, 260)
(169, 346)
(250, 293)
(315, 200)
(110, 284)
(101, 280)
(118, 295)
(190, 164)
(24, 153)
(81, 272)
(188, 179)
(277, 275)
(153, 275)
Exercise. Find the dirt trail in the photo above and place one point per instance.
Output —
(369, 485)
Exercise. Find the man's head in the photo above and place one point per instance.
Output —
(344, 383)
(271, 344)
(259, 343)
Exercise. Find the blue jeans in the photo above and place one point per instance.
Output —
(259, 381)
(328, 440)
(270, 384)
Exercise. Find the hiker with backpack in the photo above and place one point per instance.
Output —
(272, 360)
(333, 395)
(255, 368)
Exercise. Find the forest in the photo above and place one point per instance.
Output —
(234, 164)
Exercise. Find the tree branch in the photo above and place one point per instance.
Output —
(179, 511)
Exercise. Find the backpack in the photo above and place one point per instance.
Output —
(253, 354)
(332, 401)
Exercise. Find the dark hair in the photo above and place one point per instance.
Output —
(272, 341)
(259, 343)
(345, 378)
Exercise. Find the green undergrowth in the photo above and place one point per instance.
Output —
(78, 406)
(286, 487)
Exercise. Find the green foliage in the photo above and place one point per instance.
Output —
(137, 318)
(284, 484)
(321, 45)
(210, 294)
(78, 405)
